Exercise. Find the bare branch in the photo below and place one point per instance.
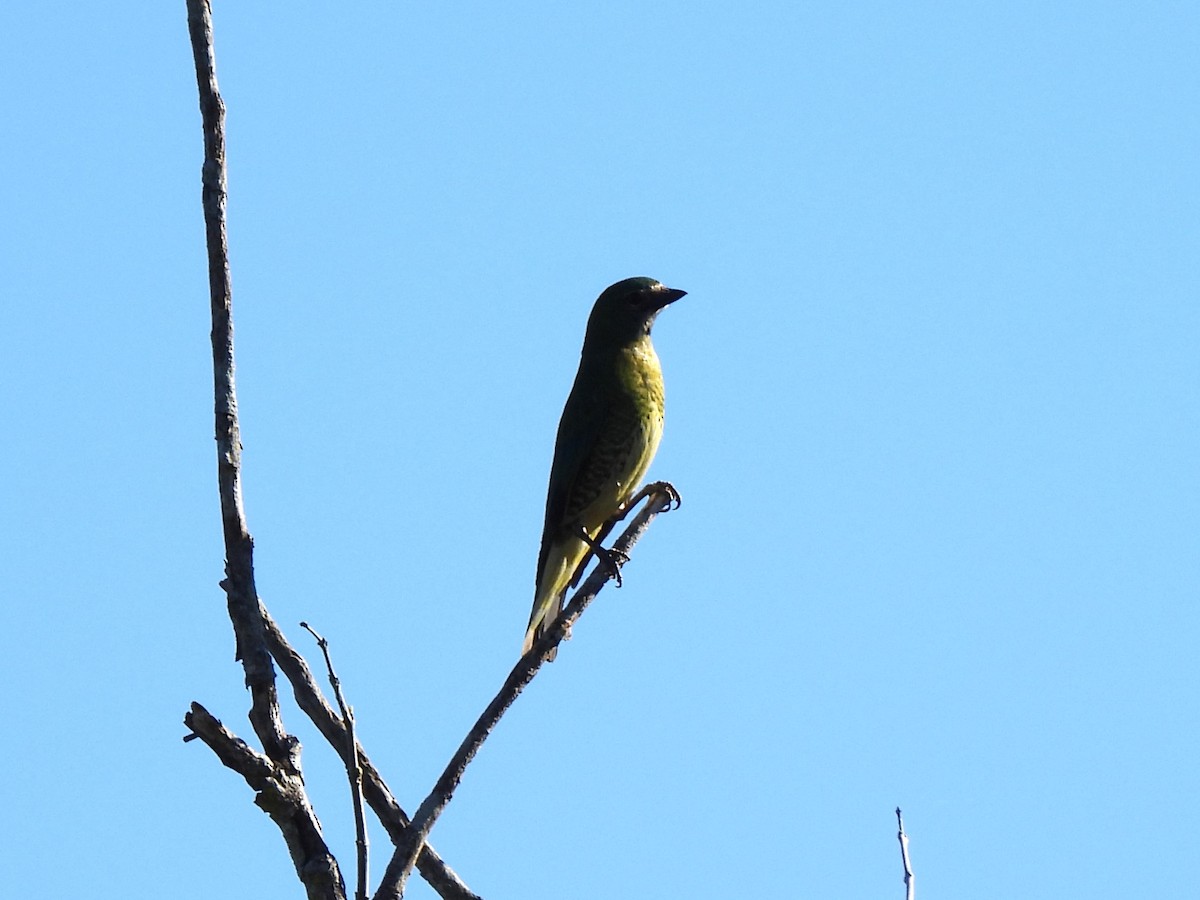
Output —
(379, 797)
(280, 794)
(910, 885)
(231, 750)
(248, 616)
(274, 775)
(395, 878)
(239, 546)
(353, 769)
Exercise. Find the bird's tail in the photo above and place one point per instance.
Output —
(560, 569)
(545, 611)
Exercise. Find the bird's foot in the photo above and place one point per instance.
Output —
(612, 560)
(674, 501)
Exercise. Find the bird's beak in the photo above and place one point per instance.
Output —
(666, 296)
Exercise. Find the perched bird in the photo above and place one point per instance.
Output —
(609, 432)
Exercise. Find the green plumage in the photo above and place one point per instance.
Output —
(609, 431)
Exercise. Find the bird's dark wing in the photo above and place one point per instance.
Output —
(579, 432)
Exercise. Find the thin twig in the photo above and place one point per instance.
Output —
(910, 882)
(353, 768)
(379, 797)
(396, 876)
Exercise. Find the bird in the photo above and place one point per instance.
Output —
(609, 432)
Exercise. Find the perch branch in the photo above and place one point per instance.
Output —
(662, 496)
(379, 797)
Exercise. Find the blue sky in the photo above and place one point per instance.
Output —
(932, 407)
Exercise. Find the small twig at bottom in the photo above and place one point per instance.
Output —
(378, 796)
(663, 497)
(353, 766)
(910, 887)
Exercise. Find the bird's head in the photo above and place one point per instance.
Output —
(627, 309)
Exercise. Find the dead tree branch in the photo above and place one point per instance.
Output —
(258, 639)
(274, 775)
(239, 546)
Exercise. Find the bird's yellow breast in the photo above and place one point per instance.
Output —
(640, 375)
(634, 433)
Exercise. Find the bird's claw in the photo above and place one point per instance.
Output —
(612, 560)
(656, 489)
(674, 500)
